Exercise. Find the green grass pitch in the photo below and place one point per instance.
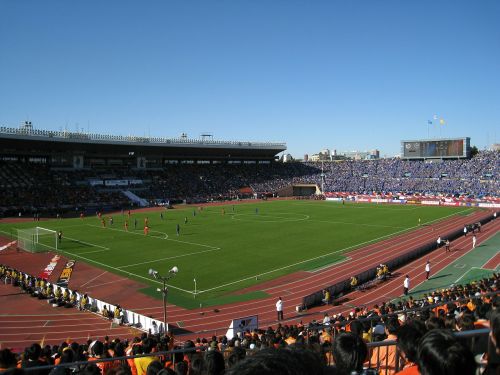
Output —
(227, 248)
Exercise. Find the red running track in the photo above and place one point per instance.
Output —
(25, 320)
(204, 322)
(209, 321)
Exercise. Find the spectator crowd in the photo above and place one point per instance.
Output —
(29, 188)
(411, 336)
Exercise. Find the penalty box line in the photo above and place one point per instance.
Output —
(124, 272)
(135, 234)
(166, 238)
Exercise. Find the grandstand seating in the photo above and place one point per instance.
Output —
(477, 176)
(29, 187)
(460, 307)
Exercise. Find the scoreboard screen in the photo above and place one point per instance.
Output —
(438, 148)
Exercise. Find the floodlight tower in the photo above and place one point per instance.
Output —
(164, 291)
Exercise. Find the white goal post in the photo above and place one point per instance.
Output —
(37, 239)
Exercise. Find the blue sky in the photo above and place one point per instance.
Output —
(345, 75)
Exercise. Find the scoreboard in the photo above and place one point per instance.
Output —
(436, 148)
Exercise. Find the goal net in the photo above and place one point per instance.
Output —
(37, 239)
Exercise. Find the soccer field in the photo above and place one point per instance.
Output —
(226, 248)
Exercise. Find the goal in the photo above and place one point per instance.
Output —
(37, 239)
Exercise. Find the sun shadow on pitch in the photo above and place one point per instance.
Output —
(440, 276)
(178, 331)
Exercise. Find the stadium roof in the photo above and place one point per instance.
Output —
(27, 139)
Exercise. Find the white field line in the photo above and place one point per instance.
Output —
(265, 216)
(167, 238)
(109, 282)
(358, 224)
(325, 255)
(252, 306)
(462, 255)
(484, 239)
(88, 282)
(93, 252)
(330, 265)
(78, 241)
(480, 268)
(397, 283)
(72, 239)
(8, 233)
(301, 262)
(48, 246)
(355, 206)
(461, 277)
(195, 244)
(122, 271)
(261, 274)
(167, 258)
(470, 269)
(135, 234)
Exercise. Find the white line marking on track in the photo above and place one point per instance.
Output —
(328, 254)
(461, 277)
(493, 256)
(459, 255)
(126, 272)
(88, 282)
(109, 282)
(331, 264)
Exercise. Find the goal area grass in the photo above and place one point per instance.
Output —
(222, 249)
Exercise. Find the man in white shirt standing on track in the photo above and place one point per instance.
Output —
(406, 285)
(279, 308)
(474, 241)
(427, 269)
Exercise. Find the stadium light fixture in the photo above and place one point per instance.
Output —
(164, 291)
(153, 273)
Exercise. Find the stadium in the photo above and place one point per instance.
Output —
(195, 245)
